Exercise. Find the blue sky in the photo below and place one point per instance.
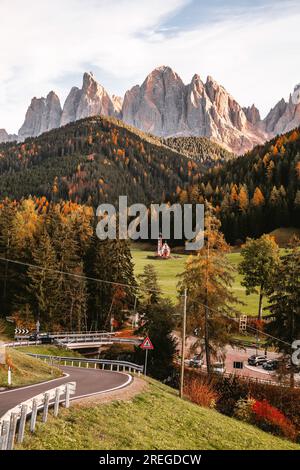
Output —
(250, 47)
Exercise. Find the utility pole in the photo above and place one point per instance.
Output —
(206, 308)
(183, 344)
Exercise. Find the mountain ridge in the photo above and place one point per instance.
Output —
(163, 105)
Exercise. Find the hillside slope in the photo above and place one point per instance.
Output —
(94, 160)
(155, 419)
(258, 192)
(26, 370)
(200, 149)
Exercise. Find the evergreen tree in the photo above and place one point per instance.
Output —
(71, 282)
(208, 278)
(110, 261)
(150, 292)
(284, 298)
(157, 321)
(43, 285)
(8, 271)
(260, 262)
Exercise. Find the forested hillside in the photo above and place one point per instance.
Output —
(60, 238)
(200, 149)
(94, 160)
(97, 159)
(255, 193)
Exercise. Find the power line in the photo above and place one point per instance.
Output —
(130, 286)
(78, 276)
(234, 319)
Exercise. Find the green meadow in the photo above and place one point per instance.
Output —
(168, 271)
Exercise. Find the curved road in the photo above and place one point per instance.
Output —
(88, 382)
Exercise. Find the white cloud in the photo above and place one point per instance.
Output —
(255, 58)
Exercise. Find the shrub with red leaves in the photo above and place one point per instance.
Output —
(201, 393)
(271, 419)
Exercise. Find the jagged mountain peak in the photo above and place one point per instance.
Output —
(5, 137)
(42, 115)
(91, 100)
(165, 106)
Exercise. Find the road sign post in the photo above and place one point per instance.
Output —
(146, 345)
(9, 376)
(146, 362)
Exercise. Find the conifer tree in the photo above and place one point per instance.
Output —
(43, 285)
(208, 278)
(8, 271)
(157, 321)
(110, 261)
(284, 299)
(259, 264)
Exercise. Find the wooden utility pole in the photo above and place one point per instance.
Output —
(183, 344)
(206, 311)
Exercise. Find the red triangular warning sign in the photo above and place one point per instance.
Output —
(146, 344)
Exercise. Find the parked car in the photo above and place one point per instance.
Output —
(44, 338)
(272, 364)
(196, 361)
(218, 367)
(256, 360)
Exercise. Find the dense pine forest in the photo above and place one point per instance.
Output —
(200, 149)
(257, 192)
(97, 159)
(93, 161)
(58, 238)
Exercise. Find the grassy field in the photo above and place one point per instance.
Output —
(155, 419)
(26, 370)
(168, 271)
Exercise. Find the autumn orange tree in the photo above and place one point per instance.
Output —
(208, 278)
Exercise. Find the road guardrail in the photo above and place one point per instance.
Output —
(14, 420)
(104, 364)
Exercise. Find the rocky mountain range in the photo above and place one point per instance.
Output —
(164, 106)
(5, 137)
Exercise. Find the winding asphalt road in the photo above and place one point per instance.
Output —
(88, 382)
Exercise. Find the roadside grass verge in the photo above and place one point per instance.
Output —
(154, 419)
(48, 350)
(26, 370)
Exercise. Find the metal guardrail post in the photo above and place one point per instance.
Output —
(33, 415)
(12, 431)
(22, 424)
(56, 403)
(4, 435)
(46, 407)
(67, 396)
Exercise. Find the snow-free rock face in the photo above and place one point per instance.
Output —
(284, 117)
(42, 115)
(252, 114)
(71, 106)
(5, 137)
(91, 100)
(118, 103)
(164, 106)
(158, 105)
